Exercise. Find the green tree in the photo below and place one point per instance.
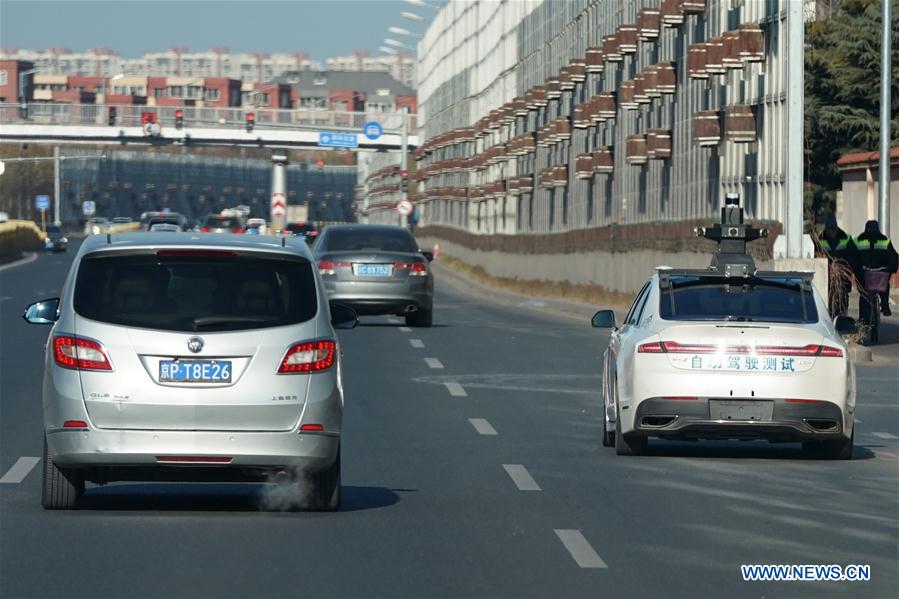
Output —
(842, 92)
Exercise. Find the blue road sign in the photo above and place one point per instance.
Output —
(88, 207)
(373, 130)
(41, 202)
(338, 140)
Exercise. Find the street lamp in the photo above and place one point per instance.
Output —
(398, 44)
(401, 31)
(422, 3)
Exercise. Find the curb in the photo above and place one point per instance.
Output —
(555, 307)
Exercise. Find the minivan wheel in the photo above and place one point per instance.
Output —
(62, 487)
(420, 318)
(325, 492)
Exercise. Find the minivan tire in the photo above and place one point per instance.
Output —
(325, 493)
(62, 487)
(420, 318)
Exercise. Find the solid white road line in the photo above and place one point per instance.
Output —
(416, 343)
(404, 330)
(521, 477)
(580, 549)
(885, 436)
(482, 426)
(20, 470)
(434, 363)
(455, 389)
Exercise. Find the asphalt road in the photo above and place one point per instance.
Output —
(472, 467)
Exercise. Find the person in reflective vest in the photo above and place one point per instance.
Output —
(842, 259)
(875, 251)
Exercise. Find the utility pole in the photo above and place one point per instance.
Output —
(795, 192)
(883, 178)
(56, 197)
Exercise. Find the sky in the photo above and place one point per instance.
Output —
(321, 28)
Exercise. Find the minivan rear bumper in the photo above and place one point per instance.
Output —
(100, 448)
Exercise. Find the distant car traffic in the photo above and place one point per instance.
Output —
(194, 360)
(122, 220)
(56, 240)
(97, 225)
(307, 231)
(377, 269)
(172, 218)
(256, 226)
(169, 227)
(217, 223)
(728, 352)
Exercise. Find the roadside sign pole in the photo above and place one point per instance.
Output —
(795, 201)
(404, 149)
(278, 203)
(56, 196)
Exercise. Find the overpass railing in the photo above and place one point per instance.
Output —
(117, 115)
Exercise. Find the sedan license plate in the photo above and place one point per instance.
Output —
(742, 410)
(373, 270)
(195, 371)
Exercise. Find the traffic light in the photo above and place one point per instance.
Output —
(112, 116)
(148, 118)
(320, 164)
(405, 184)
(251, 121)
(179, 118)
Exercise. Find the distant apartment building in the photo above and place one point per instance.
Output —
(249, 67)
(400, 66)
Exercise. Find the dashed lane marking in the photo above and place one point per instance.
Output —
(434, 363)
(19, 470)
(580, 549)
(455, 389)
(482, 426)
(416, 343)
(404, 330)
(521, 477)
(885, 436)
(393, 321)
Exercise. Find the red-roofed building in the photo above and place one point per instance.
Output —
(858, 200)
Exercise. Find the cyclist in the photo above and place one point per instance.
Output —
(842, 258)
(875, 252)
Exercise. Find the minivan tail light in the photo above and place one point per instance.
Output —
(309, 356)
(672, 347)
(79, 353)
(416, 269)
(326, 267)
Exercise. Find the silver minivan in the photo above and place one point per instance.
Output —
(188, 357)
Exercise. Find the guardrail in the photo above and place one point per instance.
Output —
(17, 236)
(49, 113)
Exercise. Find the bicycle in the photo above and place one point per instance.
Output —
(876, 282)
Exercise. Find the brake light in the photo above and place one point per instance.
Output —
(204, 229)
(672, 347)
(74, 424)
(326, 267)
(79, 353)
(416, 269)
(312, 427)
(650, 348)
(794, 400)
(196, 254)
(309, 356)
(193, 459)
(238, 230)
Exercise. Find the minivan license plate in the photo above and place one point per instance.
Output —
(195, 371)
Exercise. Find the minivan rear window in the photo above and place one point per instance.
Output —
(348, 240)
(761, 300)
(195, 291)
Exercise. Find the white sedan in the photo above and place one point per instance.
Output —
(702, 355)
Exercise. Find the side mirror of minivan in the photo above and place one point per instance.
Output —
(343, 317)
(604, 319)
(42, 312)
(845, 325)
(428, 255)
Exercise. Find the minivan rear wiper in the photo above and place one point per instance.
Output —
(205, 321)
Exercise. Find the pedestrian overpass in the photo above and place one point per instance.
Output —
(271, 128)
